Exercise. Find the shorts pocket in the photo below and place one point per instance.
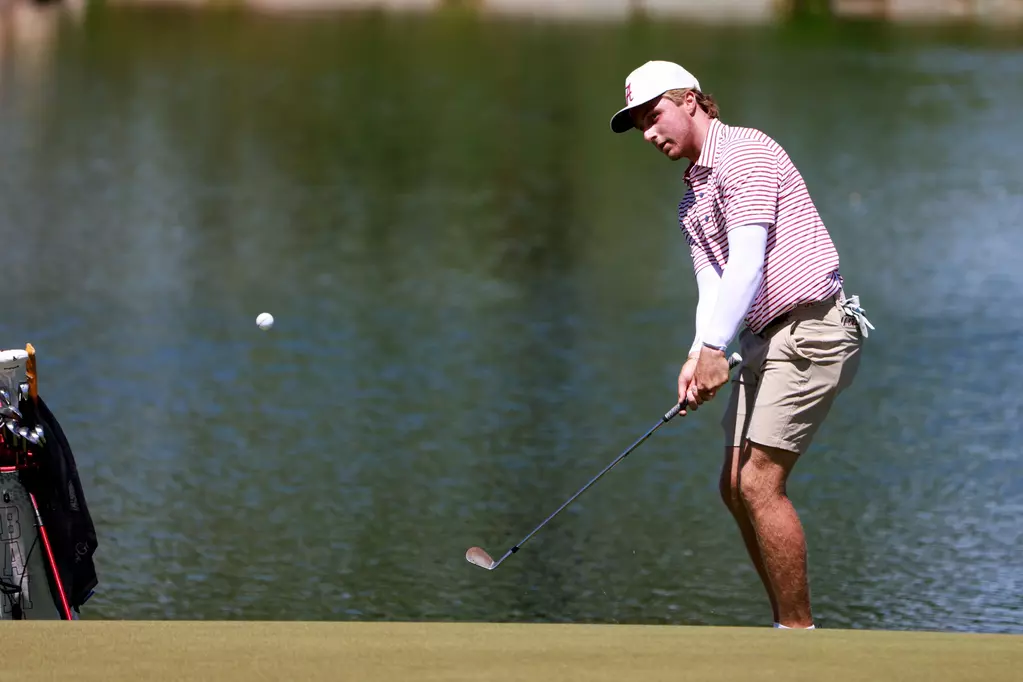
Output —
(825, 341)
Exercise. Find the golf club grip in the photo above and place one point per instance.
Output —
(733, 361)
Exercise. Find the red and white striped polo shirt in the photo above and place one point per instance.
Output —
(743, 177)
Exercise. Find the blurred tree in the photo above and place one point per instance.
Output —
(810, 8)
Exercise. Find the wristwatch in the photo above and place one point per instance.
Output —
(711, 345)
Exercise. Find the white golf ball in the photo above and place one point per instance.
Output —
(264, 320)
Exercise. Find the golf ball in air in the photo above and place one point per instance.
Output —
(264, 320)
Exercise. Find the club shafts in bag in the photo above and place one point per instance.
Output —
(477, 555)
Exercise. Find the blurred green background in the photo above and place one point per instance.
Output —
(482, 297)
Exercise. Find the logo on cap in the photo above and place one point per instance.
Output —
(628, 93)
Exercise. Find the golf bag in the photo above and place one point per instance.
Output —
(46, 533)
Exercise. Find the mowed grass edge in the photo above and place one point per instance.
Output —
(370, 652)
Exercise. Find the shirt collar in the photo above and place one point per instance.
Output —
(708, 155)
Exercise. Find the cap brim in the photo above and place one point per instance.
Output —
(622, 121)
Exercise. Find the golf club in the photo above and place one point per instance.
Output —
(478, 556)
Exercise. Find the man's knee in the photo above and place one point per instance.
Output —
(763, 476)
(754, 490)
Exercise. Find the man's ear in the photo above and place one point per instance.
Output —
(689, 103)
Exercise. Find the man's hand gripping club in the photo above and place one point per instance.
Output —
(702, 376)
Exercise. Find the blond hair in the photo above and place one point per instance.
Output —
(704, 101)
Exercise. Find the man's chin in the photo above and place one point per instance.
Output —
(673, 153)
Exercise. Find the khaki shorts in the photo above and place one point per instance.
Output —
(791, 373)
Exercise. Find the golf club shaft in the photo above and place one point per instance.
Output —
(58, 584)
(668, 416)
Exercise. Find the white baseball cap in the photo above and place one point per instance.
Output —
(650, 81)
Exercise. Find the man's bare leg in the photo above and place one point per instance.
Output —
(729, 488)
(762, 478)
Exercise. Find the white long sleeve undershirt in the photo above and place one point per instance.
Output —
(708, 281)
(726, 297)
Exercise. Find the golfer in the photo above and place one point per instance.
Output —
(762, 257)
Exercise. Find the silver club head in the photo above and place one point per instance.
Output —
(476, 555)
(36, 435)
(8, 408)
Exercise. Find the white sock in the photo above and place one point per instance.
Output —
(785, 627)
